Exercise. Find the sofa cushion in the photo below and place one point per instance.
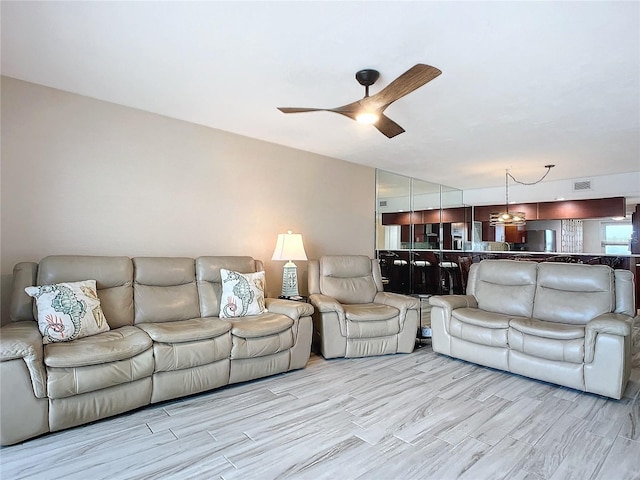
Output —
(260, 326)
(506, 286)
(113, 276)
(548, 340)
(210, 281)
(347, 278)
(178, 356)
(121, 343)
(261, 335)
(70, 381)
(475, 316)
(369, 312)
(67, 311)
(493, 337)
(165, 289)
(242, 293)
(573, 293)
(561, 350)
(541, 328)
(186, 330)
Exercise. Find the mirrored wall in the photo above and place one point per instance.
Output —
(421, 226)
(427, 238)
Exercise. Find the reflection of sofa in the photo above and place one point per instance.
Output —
(353, 317)
(166, 340)
(562, 323)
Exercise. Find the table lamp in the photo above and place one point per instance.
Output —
(289, 247)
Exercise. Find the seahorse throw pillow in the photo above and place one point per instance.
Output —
(242, 294)
(67, 311)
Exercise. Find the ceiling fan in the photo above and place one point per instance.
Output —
(370, 109)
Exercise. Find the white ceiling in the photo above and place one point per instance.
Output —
(524, 84)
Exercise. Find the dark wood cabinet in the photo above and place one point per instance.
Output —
(561, 210)
(583, 209)
(515, 234)
(635, 235)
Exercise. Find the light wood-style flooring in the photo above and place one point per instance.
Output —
(420, 415)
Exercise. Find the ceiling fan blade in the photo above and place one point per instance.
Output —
(388, 127)
(350, 110)
(300, 110)
(406, 83)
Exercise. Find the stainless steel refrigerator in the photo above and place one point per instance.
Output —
(541, 240)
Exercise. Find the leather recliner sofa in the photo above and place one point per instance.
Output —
(568, 324)
(166, 340)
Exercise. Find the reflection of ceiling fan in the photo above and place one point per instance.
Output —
(370, 109)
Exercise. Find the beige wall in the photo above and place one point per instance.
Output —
(82, 176)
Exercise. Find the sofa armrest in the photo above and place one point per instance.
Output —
(291, 309)
(23, 340)
(448, 303)
(608, 323)
(452, 302)
(401, 302)
(324, 304)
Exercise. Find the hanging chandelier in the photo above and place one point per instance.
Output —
(508, 218)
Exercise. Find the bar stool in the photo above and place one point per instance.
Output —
(448, 270)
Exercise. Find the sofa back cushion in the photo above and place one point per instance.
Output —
(210, 281)
(574, 293)
(348, 278)
(165, 289)
(504, 286)
(113, 276)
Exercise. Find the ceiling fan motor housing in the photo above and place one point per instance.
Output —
(367, 77)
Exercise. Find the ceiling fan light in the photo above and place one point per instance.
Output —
(367, 118)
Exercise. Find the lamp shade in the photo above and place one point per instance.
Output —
(289, 247)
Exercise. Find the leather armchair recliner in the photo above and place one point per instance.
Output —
(353, 316)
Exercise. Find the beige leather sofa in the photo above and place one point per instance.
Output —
(568, 324)
(353, 316)
(165, 341)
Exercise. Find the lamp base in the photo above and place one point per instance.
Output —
(290, 280)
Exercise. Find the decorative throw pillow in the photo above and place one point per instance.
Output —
(67, 311)
(242, 294)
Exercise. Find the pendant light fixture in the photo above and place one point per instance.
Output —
(508, 218)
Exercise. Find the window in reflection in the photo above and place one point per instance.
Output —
(616, 238)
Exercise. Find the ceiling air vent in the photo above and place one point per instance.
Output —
(383, 203)
(581, 185)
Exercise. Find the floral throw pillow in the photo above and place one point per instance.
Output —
(67, 311)
(242, 294)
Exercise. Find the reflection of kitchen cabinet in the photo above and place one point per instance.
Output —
(510, 234)
(635, 237)
(576, 209)
(405, 233)
(401, 218)
(427, 233)
(488, 232)
(446, 236)
(515, 234)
